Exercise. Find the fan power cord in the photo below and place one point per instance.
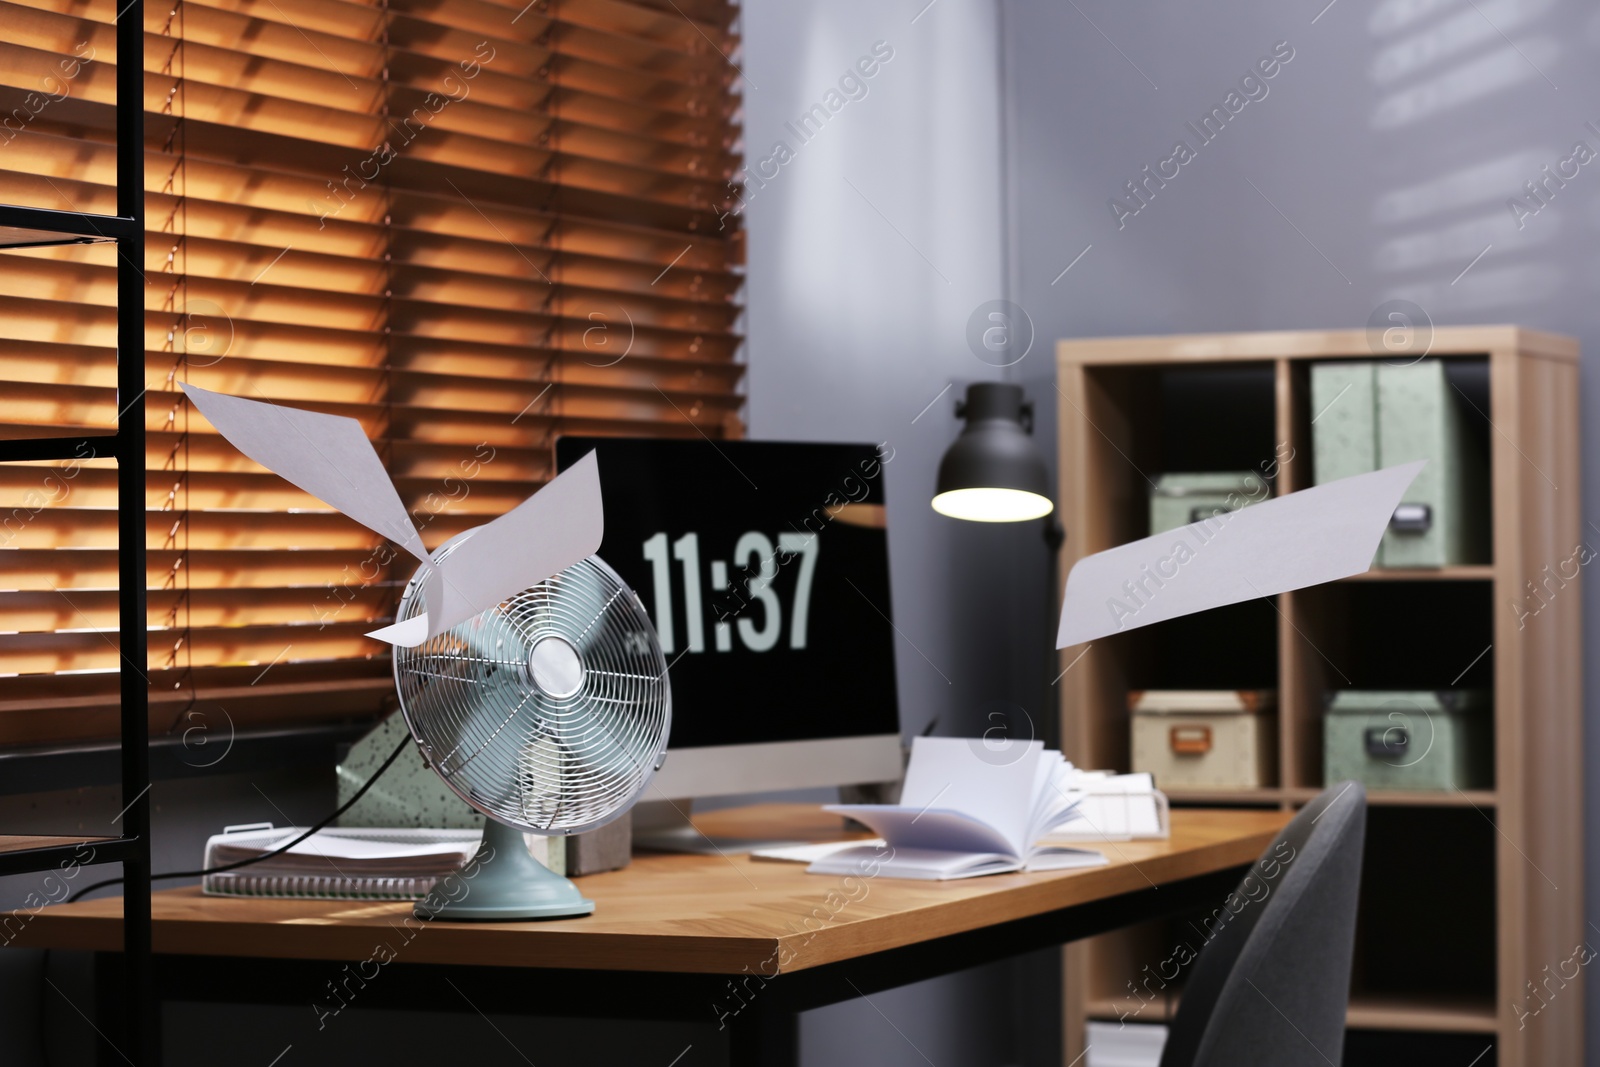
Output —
(346, 806)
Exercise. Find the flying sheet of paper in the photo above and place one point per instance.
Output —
(545, 534)
(1316, 535)
(330, 457)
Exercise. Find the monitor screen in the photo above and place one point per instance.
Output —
(765, 568)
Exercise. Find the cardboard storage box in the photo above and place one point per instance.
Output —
(1409, 739)
(1179, 499)
(1205, 738)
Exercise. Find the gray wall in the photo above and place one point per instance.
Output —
(1382, 159)
(868, 251)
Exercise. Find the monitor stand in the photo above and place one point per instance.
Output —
(664, 826)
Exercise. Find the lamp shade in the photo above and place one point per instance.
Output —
(993, 472)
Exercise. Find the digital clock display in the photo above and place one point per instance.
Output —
(764, 568)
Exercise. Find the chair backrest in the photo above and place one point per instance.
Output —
(1271, 986)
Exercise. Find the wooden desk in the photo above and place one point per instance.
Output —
(670, 930)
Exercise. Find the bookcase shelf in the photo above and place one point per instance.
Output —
(1474, 798)
(1467, 572)
(1453, 1015)
(1449, 1015)
(1289, 798)
(1460, 907)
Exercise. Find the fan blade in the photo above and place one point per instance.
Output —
(554, 528)
(328, 456)
(1316, 535)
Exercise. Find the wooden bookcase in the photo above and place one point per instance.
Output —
(1467, 897)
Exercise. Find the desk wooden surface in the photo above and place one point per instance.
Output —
(676, 913)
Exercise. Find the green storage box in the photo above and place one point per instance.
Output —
(1441, 519)
(1409, 739)
(1344, 414)
(1367, 415)
(1179, 499)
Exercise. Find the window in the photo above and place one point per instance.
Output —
(470, 224)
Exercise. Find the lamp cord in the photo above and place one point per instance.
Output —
(346, 806)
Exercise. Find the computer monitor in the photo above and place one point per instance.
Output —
(765, 569)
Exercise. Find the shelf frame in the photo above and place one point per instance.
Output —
(80, 227)
(1536, 663)
(25, 855)
(28, 227)
(33, 449)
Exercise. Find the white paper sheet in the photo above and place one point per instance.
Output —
(352, 852)
(960, 774)
(1316, 535)
(554, 528)
(330, 457)
(935, 829)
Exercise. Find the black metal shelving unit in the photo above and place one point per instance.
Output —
(24, 227)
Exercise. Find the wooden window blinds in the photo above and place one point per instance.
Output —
(471, 224)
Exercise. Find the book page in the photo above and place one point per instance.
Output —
(994, 783)
(929, 864)
(1056, 795)
(930, 828)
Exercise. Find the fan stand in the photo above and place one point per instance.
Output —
(508, 885)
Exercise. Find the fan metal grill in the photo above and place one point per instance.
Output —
(548, 742)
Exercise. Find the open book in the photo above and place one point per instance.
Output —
(969, 807)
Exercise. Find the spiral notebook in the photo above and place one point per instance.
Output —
(343, 863)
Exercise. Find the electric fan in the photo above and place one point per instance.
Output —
(548, 713)
(529, 674)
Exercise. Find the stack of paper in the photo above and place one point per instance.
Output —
(1115, 807)
(337, 863)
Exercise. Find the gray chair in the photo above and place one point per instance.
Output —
(1271, 985)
